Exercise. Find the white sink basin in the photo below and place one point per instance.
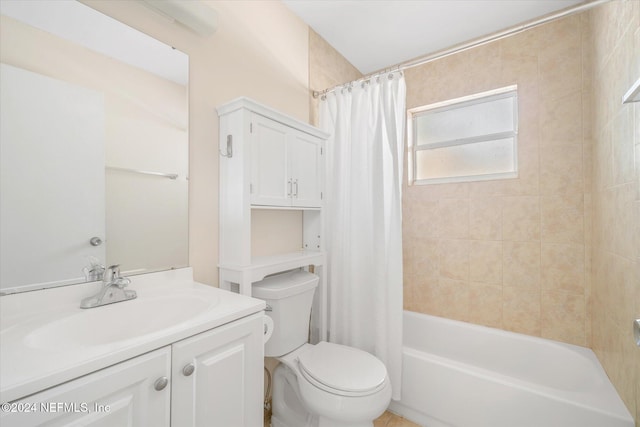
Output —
(47, 339)
(119, 322)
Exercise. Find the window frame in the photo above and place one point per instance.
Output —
(466, 101)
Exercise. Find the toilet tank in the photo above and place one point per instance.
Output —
(289, 297)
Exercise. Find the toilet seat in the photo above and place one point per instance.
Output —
(342, 370)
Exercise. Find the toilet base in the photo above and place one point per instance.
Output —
(288, 411)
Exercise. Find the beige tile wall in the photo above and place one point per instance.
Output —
(517, 254)
(512, 254)
(616, 196)
(327, 69)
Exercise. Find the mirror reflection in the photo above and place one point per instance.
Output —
(93, 147)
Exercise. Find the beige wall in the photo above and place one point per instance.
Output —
(616, 196)
(260, 50)
(511, 254)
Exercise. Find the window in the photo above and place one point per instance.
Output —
(466, 139)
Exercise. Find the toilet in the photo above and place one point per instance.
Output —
(322, 385)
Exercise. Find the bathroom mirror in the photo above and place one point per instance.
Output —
(93, 147)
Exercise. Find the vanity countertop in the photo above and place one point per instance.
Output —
(47, 339)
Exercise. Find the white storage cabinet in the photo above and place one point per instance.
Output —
(285, 165)
(269, 160)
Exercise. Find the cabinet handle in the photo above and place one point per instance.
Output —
(160, 383)
(188, 369)
(289, 184)
(295, 193)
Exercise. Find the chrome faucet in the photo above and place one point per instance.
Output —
(113, 289)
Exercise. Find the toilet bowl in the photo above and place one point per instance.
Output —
(322, 385)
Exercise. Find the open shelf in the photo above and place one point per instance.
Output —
(264, 265)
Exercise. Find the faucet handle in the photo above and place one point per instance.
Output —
(112, 273)
(94, 272)
(122, 282)
(98, 271)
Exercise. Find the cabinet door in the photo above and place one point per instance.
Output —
(305, 165)
(270, 183)
(218, 376)
(121, 395)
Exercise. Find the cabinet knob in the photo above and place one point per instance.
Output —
(160, 383)
(188, 369)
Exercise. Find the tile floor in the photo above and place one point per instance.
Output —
(392, 420)
(386, 420)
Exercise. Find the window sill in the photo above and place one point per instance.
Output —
(470, 178)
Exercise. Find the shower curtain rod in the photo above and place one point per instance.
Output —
(462, 47)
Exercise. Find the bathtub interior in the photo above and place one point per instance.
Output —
(464, 375)
(567, 367)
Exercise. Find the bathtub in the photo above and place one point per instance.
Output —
(456, 374)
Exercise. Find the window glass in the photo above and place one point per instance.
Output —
(481, 158)
(466, 139)
(484, 118)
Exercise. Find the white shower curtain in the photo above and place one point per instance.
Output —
(363, 217)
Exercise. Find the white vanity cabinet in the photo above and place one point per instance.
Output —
(218, 377)
(213, 378)
(285, 165)
(121, 395)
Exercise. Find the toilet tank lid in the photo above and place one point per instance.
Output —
(284, 285)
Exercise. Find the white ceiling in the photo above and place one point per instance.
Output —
(377, 34)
